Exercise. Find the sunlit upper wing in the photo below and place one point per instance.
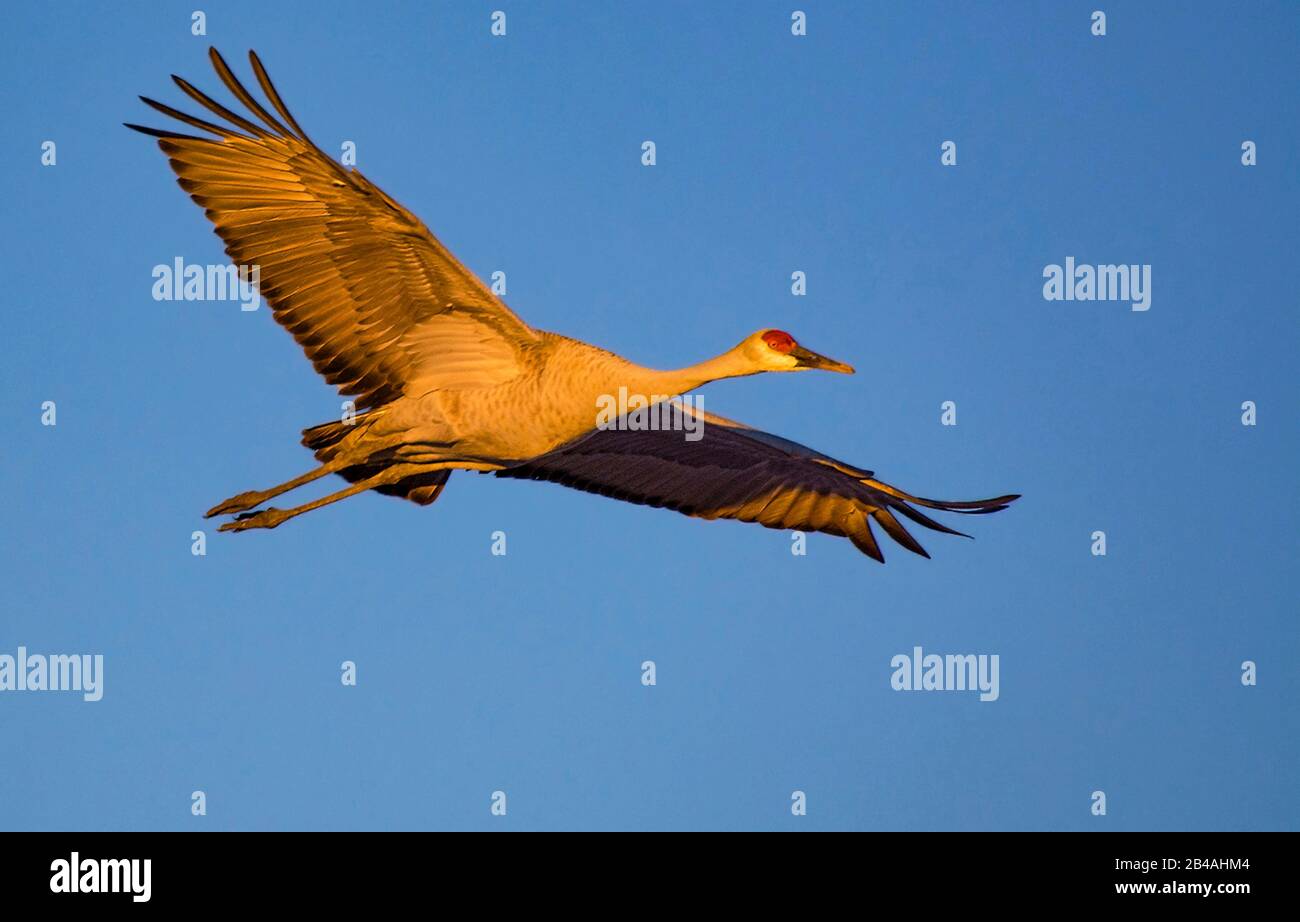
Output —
(369, 293)
(736, 472)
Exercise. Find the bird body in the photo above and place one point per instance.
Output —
(553, 397)
(445, 376)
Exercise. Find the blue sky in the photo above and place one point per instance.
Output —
(776, 153)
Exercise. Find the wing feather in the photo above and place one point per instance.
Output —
(376, 302)
(736, 472)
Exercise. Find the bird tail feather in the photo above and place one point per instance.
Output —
(327, 439)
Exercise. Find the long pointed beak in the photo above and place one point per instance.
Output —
(809, 359)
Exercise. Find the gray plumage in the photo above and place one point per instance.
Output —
(446, 377)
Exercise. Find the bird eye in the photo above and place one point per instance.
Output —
(779, 340)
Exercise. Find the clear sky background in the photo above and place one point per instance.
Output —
(522, 673)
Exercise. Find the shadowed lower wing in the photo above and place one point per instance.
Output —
(736, 472)
(368, 292)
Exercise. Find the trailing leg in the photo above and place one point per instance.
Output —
(269, 518)
(395, 473)
(256, 497)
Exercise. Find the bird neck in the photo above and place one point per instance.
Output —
(730, 364)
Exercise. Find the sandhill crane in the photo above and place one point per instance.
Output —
(446, 377)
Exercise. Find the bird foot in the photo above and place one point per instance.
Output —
(266, 518)
(236, 504)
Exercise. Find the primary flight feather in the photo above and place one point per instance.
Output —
(447, 377)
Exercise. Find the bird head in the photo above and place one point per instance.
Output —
(777, 350)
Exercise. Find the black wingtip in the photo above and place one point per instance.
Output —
(967, 507)
(214, 56)
(152, 132)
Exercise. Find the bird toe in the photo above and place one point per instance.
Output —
(265, 518)
(234, 504)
